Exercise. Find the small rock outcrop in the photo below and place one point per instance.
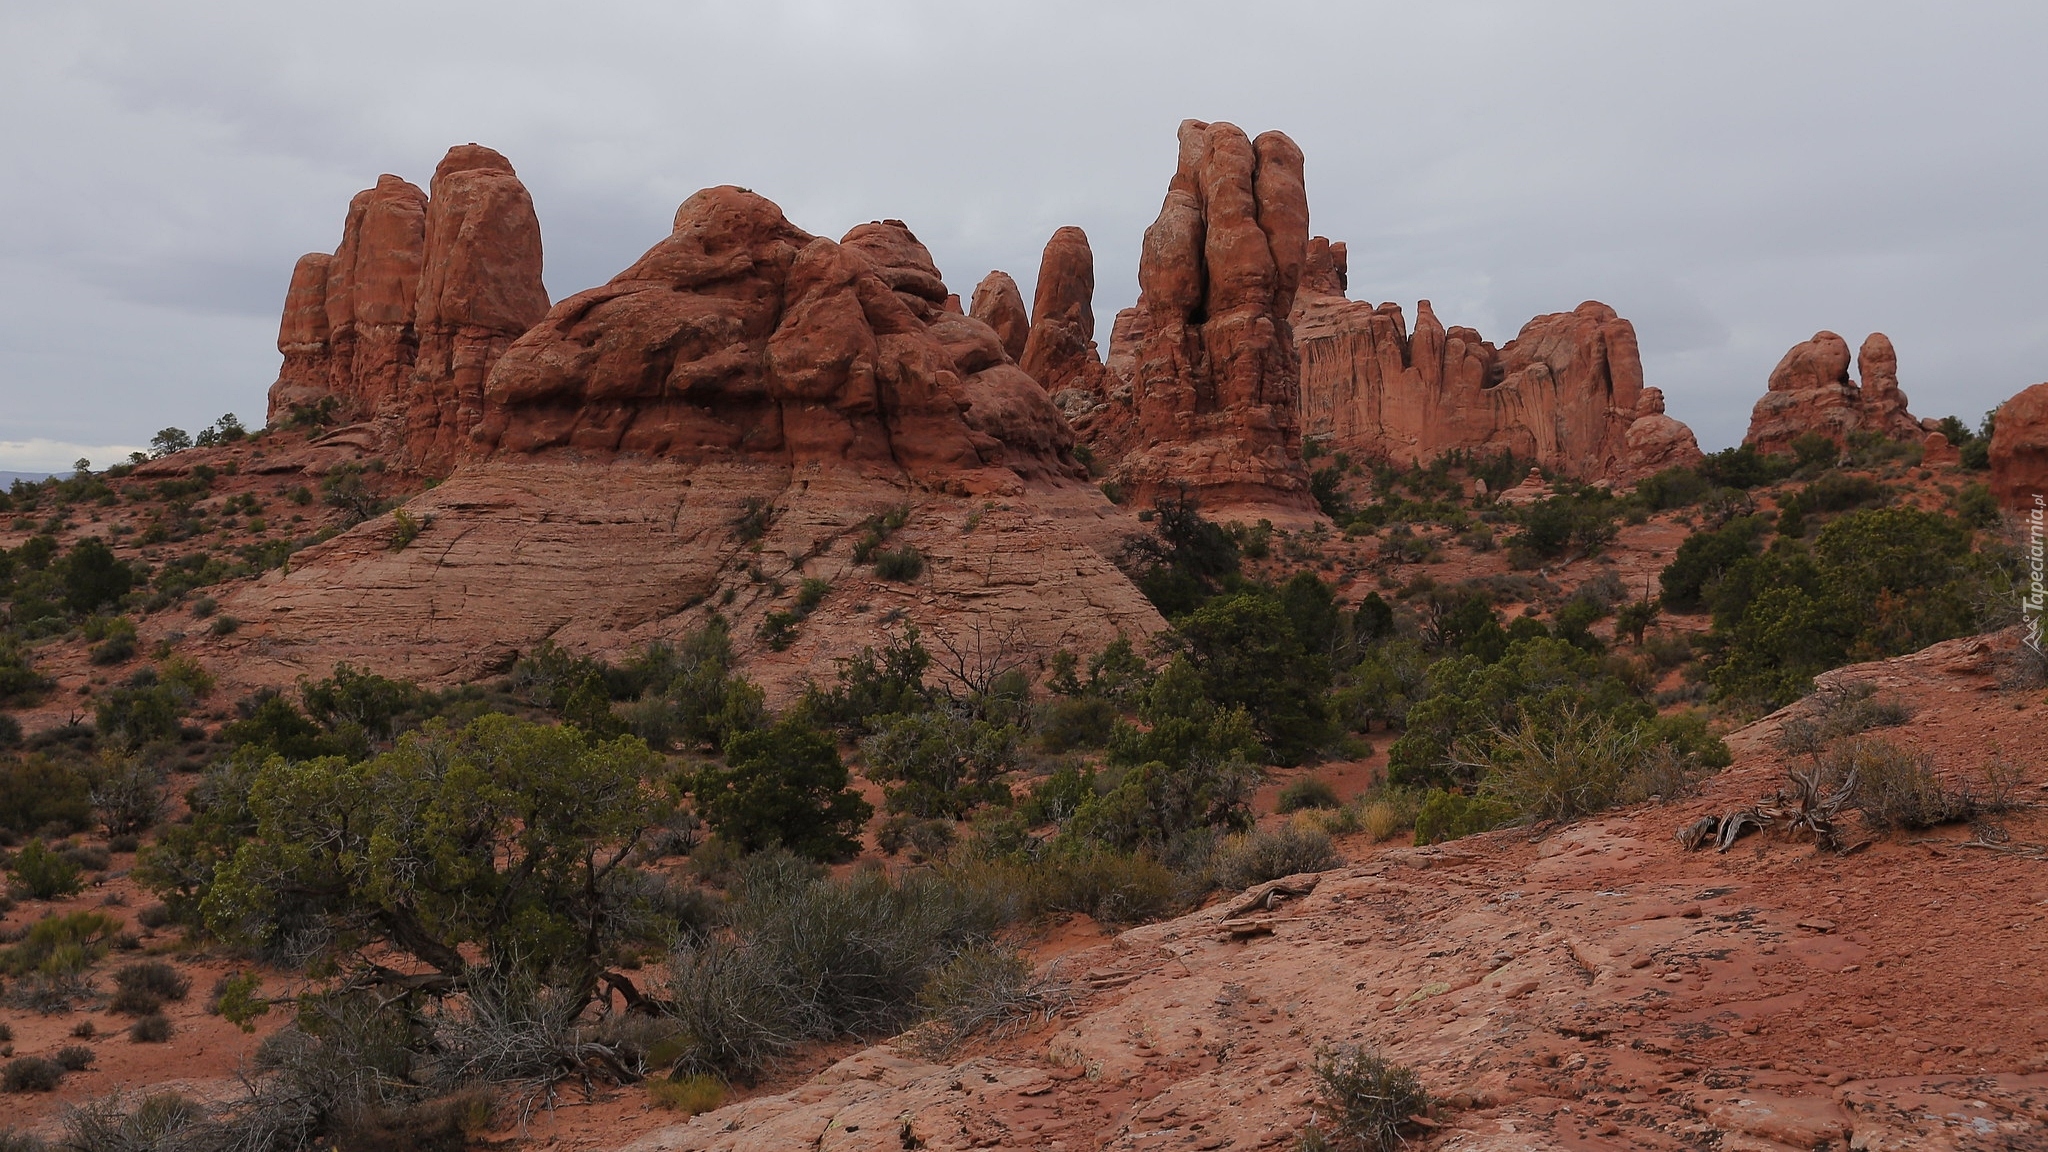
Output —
(1567, 392)
(1810, 392)
(2019, 451)
(1215, 379)
(998, 304)
(743, 334)
(406, 317)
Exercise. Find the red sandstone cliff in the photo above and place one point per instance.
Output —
(1567, 392)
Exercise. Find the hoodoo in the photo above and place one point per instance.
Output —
(1810, 392)
(403, 322)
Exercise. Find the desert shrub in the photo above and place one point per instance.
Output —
(1184, 561)
(161, 1120)
(809, 958)
(142, 988)
(44, 874)
(38, 791)
(1702, 559)
(92, 576)
(778, 630)
(1581, 765)
(783, 785)
(876, 530)
(686, 1094)
(30, 1074)
(1364, 1100)
(1249, 652)
(13, 1141)
(690, 692)
(874, 684)
(900, 564)
(1307, 792)
(75, 1057)
(940, 763)
(85, 1030)
(1449, 815)
(1250, 858)
(1897, 788)
(116, 644)
(502, 835)
(752, 523)
(1113, 887)
(1078, 722)
(127, 796)
(987, 988)
(1833, 713)
(155, 1028)
(1581, 522)
(61, 945)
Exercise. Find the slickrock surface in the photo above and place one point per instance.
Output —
(1810, 391)
(1587, 987)
(2019, 450)
(1567, 392)
(606, 557)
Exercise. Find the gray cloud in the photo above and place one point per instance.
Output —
(1732, 177)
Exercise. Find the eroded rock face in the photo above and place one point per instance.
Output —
(1810, 392)
(1567, 392)
(1215, 380)
(741, 333)
(2019, 451)
(368, 299)
(405, 319)
(480, 288)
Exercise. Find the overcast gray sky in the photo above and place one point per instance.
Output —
(1730, 176)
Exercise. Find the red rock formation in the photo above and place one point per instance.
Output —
(1937, 452)
(742, 334)
(998, 304)
(480, 288)
(407, 316)
(2019, 451)
(1567, 392)
(1810, 391)
(1214, 374)
(308, 372)
(372, 286)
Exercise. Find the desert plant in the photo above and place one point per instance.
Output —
(142, 988)
(1254, 857)
(75, 1057)
(161, 1120)
(1307, 792)
(30, 1074)
(1897, 788)
(154, 1028)
(899, 564)
(686, 1094)
(128, 797)
(987, 988)
(1365, 1100)
(44, 874)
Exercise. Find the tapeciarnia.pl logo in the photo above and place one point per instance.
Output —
(2034, 604)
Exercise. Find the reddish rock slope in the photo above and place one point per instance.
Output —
(1587, 987)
